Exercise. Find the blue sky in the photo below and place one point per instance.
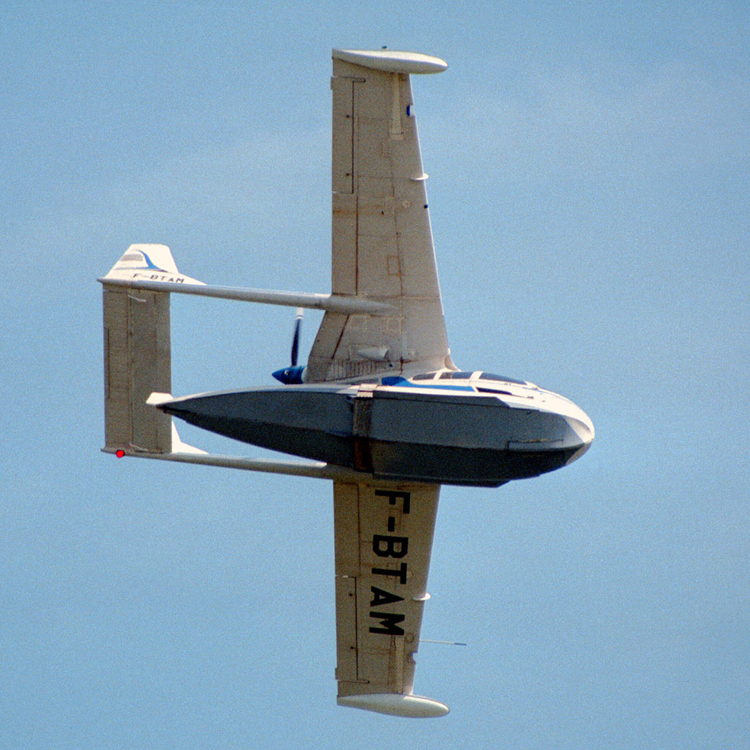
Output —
(589, 198)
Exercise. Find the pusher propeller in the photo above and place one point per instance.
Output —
(292, 375)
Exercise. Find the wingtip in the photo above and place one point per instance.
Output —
(394, 704)
(392, 61)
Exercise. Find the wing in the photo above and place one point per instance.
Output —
(382, 242)
(383, 540)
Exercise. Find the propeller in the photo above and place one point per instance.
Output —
(295, 338)
(292, 375)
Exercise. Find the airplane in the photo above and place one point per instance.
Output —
(380, 408)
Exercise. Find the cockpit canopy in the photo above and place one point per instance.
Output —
(467, 375)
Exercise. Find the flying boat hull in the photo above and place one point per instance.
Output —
(396, 434)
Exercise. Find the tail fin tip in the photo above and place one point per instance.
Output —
(141, 259)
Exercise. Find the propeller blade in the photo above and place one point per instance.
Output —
(295, 338)
(293, 374)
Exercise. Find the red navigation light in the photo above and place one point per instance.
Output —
(119, 453)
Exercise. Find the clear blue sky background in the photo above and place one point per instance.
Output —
(590, 201)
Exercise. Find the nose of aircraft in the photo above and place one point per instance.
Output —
(583, 427)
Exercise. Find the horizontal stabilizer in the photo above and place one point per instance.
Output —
(137, 361)
(412, 706)
(137, 352)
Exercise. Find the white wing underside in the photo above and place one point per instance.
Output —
(382, 246)
(383, 541)
(383, 252)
